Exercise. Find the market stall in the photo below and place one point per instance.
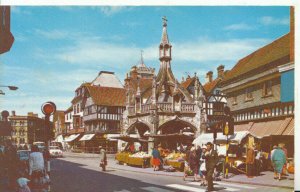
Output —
(139, 159)
(176, 160)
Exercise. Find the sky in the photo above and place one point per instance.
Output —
(58, 48)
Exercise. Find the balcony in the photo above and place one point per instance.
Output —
(187, 108)
(165, 107)
(145, 108)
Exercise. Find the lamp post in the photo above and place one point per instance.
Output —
(10, 87)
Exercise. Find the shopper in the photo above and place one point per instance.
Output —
(278, 161)
(194, 162)
(284, 170)
(250, 159)
(36, 169)
(103, 158)
(211, 159)
(202, 169)
(155, 158)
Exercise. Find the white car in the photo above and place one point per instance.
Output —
(55, 151)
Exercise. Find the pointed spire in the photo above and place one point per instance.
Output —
(164, 38)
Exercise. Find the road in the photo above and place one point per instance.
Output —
(78, 174)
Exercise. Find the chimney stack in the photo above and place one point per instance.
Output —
(209, 77)
(221, 71)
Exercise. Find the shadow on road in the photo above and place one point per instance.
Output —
(72, 177)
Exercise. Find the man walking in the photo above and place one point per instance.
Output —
(211, 159)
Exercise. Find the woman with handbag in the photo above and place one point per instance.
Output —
(103, 159)
(37, 170)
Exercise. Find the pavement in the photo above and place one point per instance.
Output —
(265, 179)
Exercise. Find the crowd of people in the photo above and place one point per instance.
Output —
(277, 157)
(19, 175)
(200, 163)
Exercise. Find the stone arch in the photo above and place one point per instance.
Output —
(175, 125)
(140, 126)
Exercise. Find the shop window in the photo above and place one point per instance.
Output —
(267, 88)
(248, 94)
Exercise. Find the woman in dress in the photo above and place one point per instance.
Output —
(155, 158)
(278, 161)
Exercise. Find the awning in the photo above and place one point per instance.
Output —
(72, 137)
(237, 137)
(87, 137)
(173, 136)
(130, 139)
(59, 138)
(243, 127)
(290, 130)
(111, 137)
(267, 128)
(209, 137)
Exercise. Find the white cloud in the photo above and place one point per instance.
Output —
(111, 10)
(53, 34)
(238, 26)
(211, 50)
(267, 20)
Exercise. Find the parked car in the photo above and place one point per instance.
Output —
(55, 151)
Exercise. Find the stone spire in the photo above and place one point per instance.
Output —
(164, 37)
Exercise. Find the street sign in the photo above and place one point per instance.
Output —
(48, 108)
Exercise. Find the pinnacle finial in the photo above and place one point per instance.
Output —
(142, 59)
(164, 21)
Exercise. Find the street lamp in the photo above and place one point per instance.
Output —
(10, 87)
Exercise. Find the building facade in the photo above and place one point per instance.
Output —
(161, 106)
(27, 129)
(255, 90)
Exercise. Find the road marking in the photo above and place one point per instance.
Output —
(186, 188)
(155, 189)
(236, 185)
(216, 186)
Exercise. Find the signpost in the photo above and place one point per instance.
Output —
(48, 109)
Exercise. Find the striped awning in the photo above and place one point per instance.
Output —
(71, 137)
(290, 130)
(87, 137)
(275, 127)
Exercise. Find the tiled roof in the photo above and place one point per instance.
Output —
(187, 82)
(108, 96)
(145, 87)
(267, 54)
(208, 87)
(69, 109)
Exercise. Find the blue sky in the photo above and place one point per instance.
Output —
(58, 48)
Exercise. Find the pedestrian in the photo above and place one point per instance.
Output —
(250, 160)
(11, 161)
(278, 161)
(258, 162)
(284, 170)
(103, 158)
(194, 162)
(37, 170)
(156, 158)
(202, 169)
(211, 159)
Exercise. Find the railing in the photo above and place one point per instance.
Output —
(146, 108)
(187, 107)
(165, 107)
